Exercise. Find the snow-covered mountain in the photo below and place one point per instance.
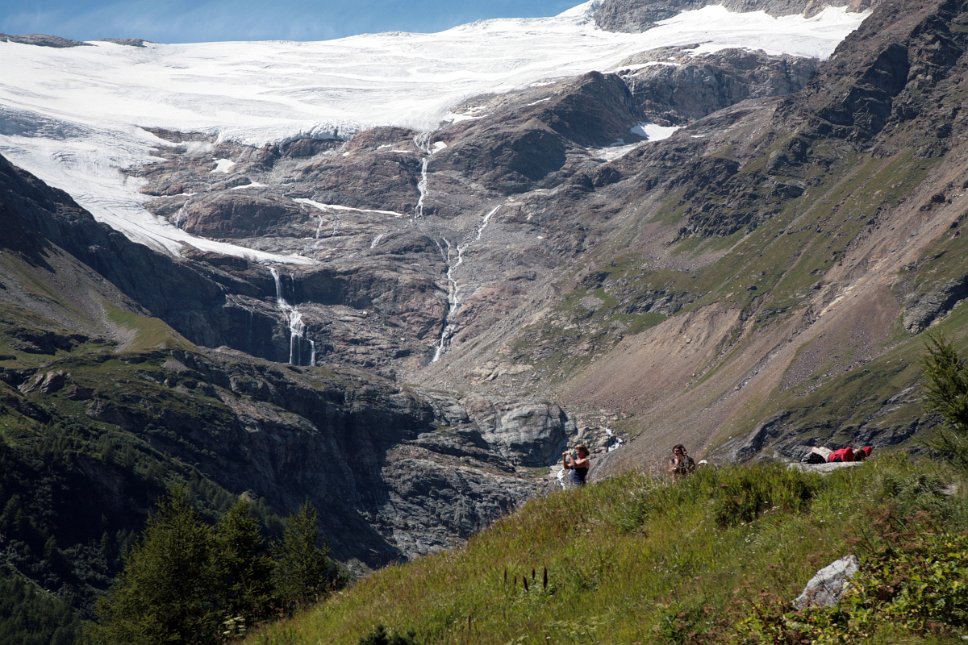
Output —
(399, 272)
(81, 118)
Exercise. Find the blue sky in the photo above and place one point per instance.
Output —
(209, 20)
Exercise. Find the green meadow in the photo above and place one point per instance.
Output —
(715, 558)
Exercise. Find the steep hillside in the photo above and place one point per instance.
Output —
(716, 558)
(781, 256)
(103, 406)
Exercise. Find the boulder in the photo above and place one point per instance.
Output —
(827, 587)
(533, 434)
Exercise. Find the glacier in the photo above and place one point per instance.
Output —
(79, 117)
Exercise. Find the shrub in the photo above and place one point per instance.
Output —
(743, 494)
(380, 636)
(918, 589)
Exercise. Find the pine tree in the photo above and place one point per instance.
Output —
(947, 395)
(243, 566)
(303, 571)
(166, 592)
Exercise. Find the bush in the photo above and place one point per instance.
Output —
(380, 636)
(743, 494)
(918, 589)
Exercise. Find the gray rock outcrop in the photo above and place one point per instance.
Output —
(695, 87)
(532, 434)
(923, 309)
(827, 587)
(42, 40)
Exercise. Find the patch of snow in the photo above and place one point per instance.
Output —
(457, 118)
(794, 34)
(336, 207)
(197, 147)
(223, 165)
(584, 11)
(438, 146)
(654, 132)
(651, 63)
(614, 152)
(251, 184)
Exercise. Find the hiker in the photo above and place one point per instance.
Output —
(824, 455)
(841, 454)
(578, 464)
(850, 454)
(680, 464)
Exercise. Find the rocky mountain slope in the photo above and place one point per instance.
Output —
(807, 240)
(102, 406)
(735, 249)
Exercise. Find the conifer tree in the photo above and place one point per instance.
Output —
(947, 395)
(303, 571)
(166, 592)
(243, 565)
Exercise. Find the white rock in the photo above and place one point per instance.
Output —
(827, 587)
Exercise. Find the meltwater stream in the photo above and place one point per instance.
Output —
(422, 141)
(453, 288)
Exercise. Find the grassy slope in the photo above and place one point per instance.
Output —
(630, 560)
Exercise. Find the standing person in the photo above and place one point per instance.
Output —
(578, 465)
(680, 464)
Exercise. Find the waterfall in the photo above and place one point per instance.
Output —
(297, 328)
(180, 215)
(422, 187)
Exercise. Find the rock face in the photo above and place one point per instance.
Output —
(516, 151)
(924, 309)
(697, 87)
(398, 471)
(530, 435)
(42, 40)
